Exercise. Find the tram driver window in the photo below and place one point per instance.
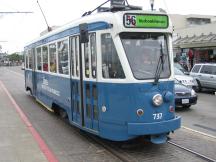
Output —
(111, 66)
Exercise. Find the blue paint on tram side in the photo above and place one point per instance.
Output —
(121, 102)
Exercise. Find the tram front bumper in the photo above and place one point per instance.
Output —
(154, 128)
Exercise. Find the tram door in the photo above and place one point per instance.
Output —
(34, 83)
(75, 81)
(83, 83)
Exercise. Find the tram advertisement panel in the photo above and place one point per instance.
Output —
(145, 21)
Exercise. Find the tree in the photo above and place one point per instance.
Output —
(15, 57)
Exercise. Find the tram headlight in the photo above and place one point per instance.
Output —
(157, 99)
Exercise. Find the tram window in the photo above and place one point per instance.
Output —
(63, 57)
(93, 55)
(72, 55)
(45, 58)
(86, 56)
(111, 66)
(143, 50)
(94, 93)
(52, 57)
(77, 55)
(30, 59)
(26, 59)
(88, 110)
(38, 50)
(95, 112)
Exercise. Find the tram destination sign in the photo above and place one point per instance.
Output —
(145, 21)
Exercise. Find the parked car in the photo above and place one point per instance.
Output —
(180, 67)
(205, 75)
(185, 79)
(184, 96)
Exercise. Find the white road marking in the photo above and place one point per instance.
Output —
(202, 133)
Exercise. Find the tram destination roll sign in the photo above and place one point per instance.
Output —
(145, 21)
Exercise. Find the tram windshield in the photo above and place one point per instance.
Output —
(143, 51)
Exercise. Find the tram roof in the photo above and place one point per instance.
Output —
(101, 20)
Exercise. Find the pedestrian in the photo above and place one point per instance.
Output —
(191, 57)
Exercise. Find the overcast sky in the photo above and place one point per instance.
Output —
(18, 29)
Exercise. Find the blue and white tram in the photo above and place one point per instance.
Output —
(111, 73)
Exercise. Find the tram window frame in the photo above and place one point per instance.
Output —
(47, 56)
(87, 59)
(26, 59)
(30, 59)
(77, 67)
(37, 62)
(52, 55)
(72, 53)
(63, 52)
(93, 54)
(111, 64)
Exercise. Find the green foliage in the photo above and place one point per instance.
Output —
(15, 57)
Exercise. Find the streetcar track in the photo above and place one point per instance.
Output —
(115, 153)
(119, 154)
(192, 152)
(201, 133)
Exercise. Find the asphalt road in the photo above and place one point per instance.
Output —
(202, 116)
(69, 144)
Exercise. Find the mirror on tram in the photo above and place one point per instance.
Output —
(84, 38)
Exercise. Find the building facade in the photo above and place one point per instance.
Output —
(194, 34)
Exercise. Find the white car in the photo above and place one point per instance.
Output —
(185, 79)
(205, 75)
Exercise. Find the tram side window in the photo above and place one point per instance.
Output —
(63, 57)
(52, 56)
(93, 55)
(38, 50)
(30, 59)
(26, 59)
(77, 55)
(45, 58)
(72, 44)
(111, 66)
(86, 56)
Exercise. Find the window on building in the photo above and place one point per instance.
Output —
(63, 65)
(39, 61)
(52, 58)
(111, 66)
(45, 58)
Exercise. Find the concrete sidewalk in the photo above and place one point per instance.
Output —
(17, 144)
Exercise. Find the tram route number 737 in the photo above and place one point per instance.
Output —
(157, 116)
